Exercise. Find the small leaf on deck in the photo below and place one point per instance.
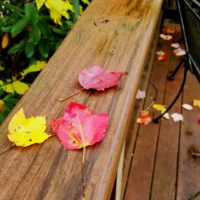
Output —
(187, 106)
(177, 117)
(144, 118)
(165, 37)
(196, 103)
(140, 94)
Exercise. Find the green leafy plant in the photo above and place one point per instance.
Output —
(29, 35)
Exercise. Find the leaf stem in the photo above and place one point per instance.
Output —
(83, 158)
(83, 180)
(68, 97)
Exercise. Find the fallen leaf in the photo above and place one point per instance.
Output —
(179, 52)
(163, 57)
(99, 79)
(198, 119)
(168, 30)
(165, 37)
(27, 131)
(187, 106)
(140, 94)
(175, 45)
(196, 102)
(160, 53)
(177, 117)
(144, 118)
(159, 107)
(80, 127)
(166, 116)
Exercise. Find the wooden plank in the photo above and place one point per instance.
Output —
(139, 104)
(48, 171)
(140, 176)
(189, 168)
(150, 172)
(165, 170)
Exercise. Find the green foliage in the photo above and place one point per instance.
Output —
(28, 38)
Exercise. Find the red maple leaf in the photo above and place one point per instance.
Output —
(80, 127)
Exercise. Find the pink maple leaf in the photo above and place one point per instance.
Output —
(97, 78)
(80, 127)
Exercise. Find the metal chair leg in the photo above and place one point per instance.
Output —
(172, 74)
(157, 119)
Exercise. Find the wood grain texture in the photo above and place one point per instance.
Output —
(189, 164)
(138, 106)
(154, 165)
(141, 173)
(48, 171)
(166, 162)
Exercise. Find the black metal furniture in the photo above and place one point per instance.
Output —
(189, 12)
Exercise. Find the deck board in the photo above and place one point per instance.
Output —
(165, 169)
(189, 166)
(48, 171)
(161, 165)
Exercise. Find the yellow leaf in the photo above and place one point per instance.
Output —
(27, 131)
(58, 9)
(8, 88)
(1, 68)
(34, 68)
(86, 2)
(2, 105)
(39, 3)
(5, 41)
(159, 107)
(196, 102)
(20, 87)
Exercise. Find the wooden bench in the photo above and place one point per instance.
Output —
(117, 35)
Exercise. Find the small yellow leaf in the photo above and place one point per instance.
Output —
(2, 105)
(34, 68)
(8, 88)
(20, 87)
(159, 107)
(1, 68)
(39, 3)
(196, 102)
(5, 41)
(27, 131)
(86, 2)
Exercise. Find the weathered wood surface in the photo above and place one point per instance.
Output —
(188, 183)
(165, 163)
(48, 171)
(133, 126)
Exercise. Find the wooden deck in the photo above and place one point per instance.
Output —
(117, 35)
(165, 161)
